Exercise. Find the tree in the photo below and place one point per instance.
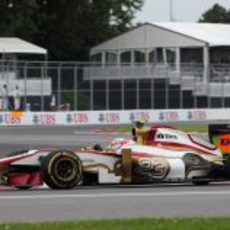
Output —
(217, 14)
(71, 27)
(18, 18)
(67, 28)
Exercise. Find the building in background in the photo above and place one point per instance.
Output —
(35, 86)
(154, 66)
(186, 63)
(173, 43)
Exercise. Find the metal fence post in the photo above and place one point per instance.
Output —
(222, 94)
(181, 91)
(152, 93)
(9, 105)
(42, 85)
(208, 95)
(25, 85)
(75, 89)
(122, 94)
(91, 92)
(138, 94)
(59, 87)
(107, 94)
(208, 85)
(167, 93)
(194, 93)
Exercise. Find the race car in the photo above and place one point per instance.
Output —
(167, 155)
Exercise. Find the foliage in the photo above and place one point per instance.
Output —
(217, 14)
(67, 28)
(18, 18)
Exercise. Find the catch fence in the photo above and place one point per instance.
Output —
(44, 86)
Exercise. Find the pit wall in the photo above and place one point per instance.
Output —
(68, 118)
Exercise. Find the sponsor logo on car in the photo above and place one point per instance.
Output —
(166, 136)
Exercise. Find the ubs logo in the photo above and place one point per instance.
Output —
(166, 136)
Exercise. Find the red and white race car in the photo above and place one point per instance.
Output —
(168, 155)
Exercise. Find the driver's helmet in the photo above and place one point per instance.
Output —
(117, 143)
(140, 123)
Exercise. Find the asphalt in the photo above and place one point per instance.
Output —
(16, 138)
(104, 202)
(99, 202)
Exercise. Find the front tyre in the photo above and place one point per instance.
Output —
(23, 187)
(62, 169)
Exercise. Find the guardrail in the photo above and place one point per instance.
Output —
(115, 117)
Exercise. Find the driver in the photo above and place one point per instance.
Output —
(140, 130)
(117, 143)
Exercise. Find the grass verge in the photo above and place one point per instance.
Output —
(184, 127)
(129, 224)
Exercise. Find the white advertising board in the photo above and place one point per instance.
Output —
(112, 117)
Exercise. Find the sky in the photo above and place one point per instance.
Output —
(183, 10)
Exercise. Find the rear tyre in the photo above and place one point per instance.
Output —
(194, 162)
(62, 169)
(200, 183)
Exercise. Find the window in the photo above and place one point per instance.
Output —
(152, 56)
(171, 56)
(110, 58)
(126, 57)
(160, 56)
(96, 58)
(139, 57)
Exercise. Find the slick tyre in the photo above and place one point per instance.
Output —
(201, 183)
(62, 169)
(23, 187)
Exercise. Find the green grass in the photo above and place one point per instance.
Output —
(129, 224)
(193, 127)
(184, 127)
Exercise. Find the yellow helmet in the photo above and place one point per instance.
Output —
(140, 122)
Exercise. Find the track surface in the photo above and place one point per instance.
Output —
(101, 201)
(115, 202)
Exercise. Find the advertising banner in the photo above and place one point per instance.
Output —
(111, 117)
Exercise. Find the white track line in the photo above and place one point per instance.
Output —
(109, 195)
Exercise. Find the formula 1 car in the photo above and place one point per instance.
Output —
(167, 155)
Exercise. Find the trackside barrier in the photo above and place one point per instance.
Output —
(69, 118)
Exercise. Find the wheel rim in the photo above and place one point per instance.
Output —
(65, 169)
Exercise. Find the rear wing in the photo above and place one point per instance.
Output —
(219, 135)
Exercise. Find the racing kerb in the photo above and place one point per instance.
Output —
(103, 117)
